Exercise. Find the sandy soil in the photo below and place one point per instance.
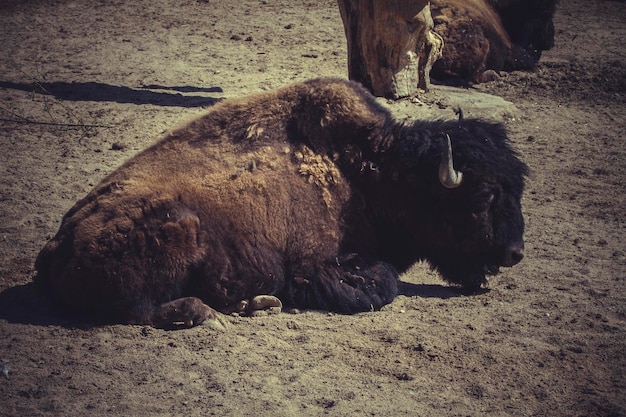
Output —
(548, 339)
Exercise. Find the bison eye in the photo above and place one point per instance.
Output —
(482, 200)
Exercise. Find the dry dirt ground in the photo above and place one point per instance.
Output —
(109, 77)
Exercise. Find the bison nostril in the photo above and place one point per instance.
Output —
(513, 255)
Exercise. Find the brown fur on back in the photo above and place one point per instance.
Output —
(491, 35)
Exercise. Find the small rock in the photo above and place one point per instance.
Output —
(5, 369)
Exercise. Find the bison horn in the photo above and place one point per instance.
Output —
(448, 176)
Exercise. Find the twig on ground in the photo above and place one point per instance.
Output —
(74, 121)
(24, 120)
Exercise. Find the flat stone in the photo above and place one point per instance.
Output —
(477, 104)
(442, 102)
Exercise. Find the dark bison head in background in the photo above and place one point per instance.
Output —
(528, 24)
(312, 193)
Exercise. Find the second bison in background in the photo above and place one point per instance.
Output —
(483, 36)
(312, 193)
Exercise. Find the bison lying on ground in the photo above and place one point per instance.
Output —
(312, 193)
(483, 35)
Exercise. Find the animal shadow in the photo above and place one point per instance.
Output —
(23, 304)
(94, 91)
(435, 291)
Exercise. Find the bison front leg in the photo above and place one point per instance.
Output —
(347, 285)
(186, 312)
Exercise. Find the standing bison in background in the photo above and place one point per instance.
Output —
(483, 35)
(313, 194)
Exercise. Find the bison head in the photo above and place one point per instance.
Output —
(462, 184)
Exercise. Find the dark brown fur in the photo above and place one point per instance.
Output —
(529, 26)
(280, 193)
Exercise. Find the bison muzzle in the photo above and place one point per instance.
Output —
(312, 193)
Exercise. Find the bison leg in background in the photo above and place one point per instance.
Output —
(348, 285)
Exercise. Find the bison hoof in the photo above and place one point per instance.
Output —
(259, 306)
(263, 302)
(187, 312)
